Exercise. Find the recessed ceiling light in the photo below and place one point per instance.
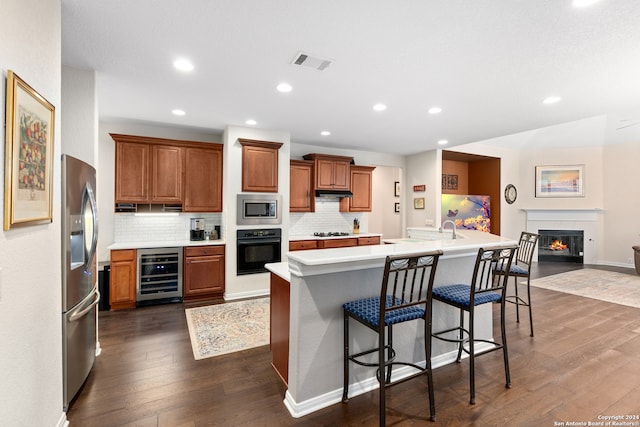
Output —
(584, 3)
(251, 122)
(284, 87)
(443, 142)
(551, 100)
(325, 133)
(435, 110)
(379, 107)
(183, 64)
(178, 112)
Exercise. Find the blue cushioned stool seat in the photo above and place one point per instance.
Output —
(515, 269)
(368, 310)
(460, 294)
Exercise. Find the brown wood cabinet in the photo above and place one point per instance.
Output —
(301, 191)
(165, 171)
(337, 243)
(132, 172)
(203, 273)
(147, 173)
(166, 174)
(370, 240)
(331, 172)
(279, 327)
(122, 279)
(259, 165)
(203, 178)
(302, 245)
(361, 181)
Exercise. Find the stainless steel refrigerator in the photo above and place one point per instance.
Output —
(80, 294)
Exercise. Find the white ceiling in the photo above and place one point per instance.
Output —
(487, 63)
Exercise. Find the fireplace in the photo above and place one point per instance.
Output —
(561, 246)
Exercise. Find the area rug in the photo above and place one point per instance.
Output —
(229, 327)
(618, 288)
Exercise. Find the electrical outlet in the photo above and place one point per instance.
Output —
(428, 222)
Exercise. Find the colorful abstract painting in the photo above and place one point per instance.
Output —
(467, 211)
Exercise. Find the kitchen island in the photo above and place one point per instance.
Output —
(321, 280)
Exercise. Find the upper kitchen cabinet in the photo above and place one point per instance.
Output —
(361, 180)
(180, 175)
(147, 173)
(301, 197)
(259, 165)
(203, 178)
(331, 172)
(166, 174)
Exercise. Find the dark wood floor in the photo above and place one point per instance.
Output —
(584, 362)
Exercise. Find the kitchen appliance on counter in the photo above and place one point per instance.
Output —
(259, 209)
(197, 229)
(257, 248)
(80, 294)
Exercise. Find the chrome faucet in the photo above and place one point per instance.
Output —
(452, 223)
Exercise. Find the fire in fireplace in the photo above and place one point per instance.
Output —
(561, 246)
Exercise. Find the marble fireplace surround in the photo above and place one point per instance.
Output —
(587, 219)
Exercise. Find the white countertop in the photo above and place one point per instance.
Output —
(321, 261)
(349, 236)
(280, 269)
(164, 244)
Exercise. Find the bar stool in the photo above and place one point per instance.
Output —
(522, 268)
(404, 296)
(486, 287)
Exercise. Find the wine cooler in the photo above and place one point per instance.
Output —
(159, 275)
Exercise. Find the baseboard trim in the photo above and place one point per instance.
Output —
(248, 294)
(300, 409)
(63, 421)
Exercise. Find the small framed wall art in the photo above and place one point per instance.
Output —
(28, 181)
(560, 181)
(418, 188)
(396, 189)
(397, 207)
(418, 203)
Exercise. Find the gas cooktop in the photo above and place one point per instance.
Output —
(330, 234)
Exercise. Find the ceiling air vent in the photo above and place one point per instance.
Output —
(306, 60)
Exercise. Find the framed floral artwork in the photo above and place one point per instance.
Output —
(28, 182)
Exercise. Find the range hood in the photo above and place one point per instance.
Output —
(334, 193)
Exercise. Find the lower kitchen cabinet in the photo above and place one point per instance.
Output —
(371, 240)
(337, 243)
(203, 273)
(122, 280)
(302, 245)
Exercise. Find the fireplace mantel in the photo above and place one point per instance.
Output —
(560, 214)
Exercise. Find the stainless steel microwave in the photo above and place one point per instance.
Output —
(258, 209)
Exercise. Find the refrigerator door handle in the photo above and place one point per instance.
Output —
(90, 198)
(78, 315)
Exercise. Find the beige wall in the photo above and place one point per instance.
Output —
(30, 257)
(621, 200)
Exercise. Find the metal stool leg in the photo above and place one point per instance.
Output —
(529, 303)
(345, 369)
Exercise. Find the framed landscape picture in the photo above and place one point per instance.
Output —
(28, 155)
(560, 181)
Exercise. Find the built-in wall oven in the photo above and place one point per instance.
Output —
(257, 248)
(159, 275)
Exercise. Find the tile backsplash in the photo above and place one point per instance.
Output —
(327, 217)
(171, 228)
(158, 228)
